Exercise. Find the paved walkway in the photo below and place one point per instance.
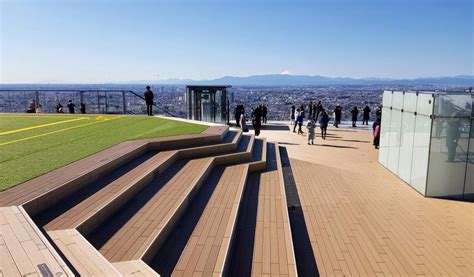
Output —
(362, 220)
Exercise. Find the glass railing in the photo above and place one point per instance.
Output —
(95, 101)
(427, 140)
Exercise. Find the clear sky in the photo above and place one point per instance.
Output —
(118, 40)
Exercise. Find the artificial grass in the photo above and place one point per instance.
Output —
(51, 147)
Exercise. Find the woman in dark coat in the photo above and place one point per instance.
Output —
(355, 113)
(323, 123)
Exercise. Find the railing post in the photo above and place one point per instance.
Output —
(124, 104)
(37, 99)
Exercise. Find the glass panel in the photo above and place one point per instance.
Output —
(406, 146)
(384, 135)
(394, 140)
(387, 98)
(424, 105)
(421, 144)
(469, 182)
(409, 102)
(397, 100)
(206, 107)
(218, 106)
(458, 105)
(448, 155)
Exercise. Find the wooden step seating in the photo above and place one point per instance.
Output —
(134, 268)
(273, 247)
(42, 192)
(99, 206)
(181, 187)
(81, 254)
(259, 155)
(150, 223)
(207, 249)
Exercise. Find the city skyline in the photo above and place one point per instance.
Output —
(105, 41)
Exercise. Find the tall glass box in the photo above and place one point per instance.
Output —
(207, 103)
(427, 139)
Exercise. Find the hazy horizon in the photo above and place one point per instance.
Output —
(106, 41)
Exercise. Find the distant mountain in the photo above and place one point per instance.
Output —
(300, 80)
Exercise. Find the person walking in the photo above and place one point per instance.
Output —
(264, 113)
(299, 120)
(355, 113)
(337, 115)
(310, 109)
(311, 125)
(366, 116)
(292, 115)
(149, 101)
(237, 114)
(71, 106)
(323, 123)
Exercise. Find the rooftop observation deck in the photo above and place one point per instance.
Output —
(263, 206)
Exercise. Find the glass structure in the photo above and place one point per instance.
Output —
(207, 103)
(427, 139)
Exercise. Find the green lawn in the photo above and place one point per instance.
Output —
(31, 145)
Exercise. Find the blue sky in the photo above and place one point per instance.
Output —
(106, 41)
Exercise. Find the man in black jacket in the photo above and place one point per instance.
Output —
(149, 101)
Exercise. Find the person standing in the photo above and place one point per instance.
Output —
(243, 123)
(310, 109)
(297, 114)
(319, 108)
(337, 115)
(355, 113)
(71, 106)
(257, 125)
(149, 101)
(376, 127)
(366, 115)
(82, 108)
(323, 123)
(311, 134)
(264, 114)
(32, 107)
(292, 115)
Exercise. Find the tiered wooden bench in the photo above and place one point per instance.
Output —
(259, 155)
(152, 221)
(207, 250)
(273, 246)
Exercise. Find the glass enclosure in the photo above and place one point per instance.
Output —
(207, 103)
(427, 140)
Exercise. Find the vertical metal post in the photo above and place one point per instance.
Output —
(124, 104)
(106, 102)
(37, 99)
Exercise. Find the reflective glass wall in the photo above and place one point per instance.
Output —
(427, 140)
(207, 103)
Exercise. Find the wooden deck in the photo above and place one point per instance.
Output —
(350, 214)
(362, 220)
(273, 247)
(23, 248)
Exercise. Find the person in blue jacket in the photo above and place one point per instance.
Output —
(323, 123)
